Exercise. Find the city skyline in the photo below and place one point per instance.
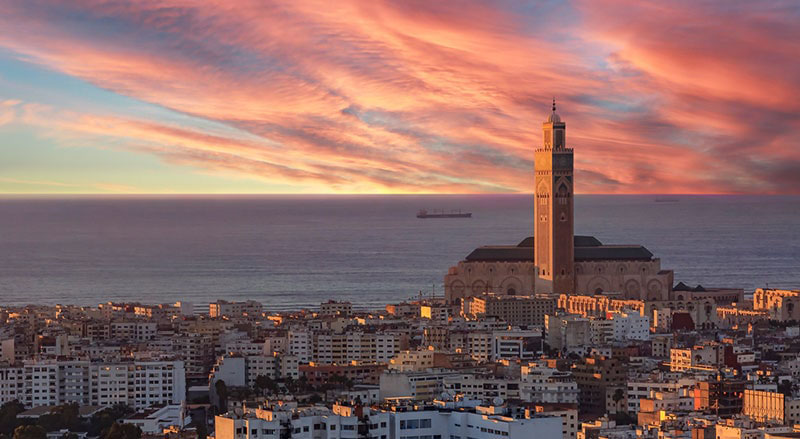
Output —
(396, 97)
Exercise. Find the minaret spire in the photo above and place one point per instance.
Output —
(554, 104)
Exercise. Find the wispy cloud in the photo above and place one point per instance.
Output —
(417, 96)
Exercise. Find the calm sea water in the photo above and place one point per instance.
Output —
(292, 252)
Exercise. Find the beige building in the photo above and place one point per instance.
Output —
(781, 305)
(410, 361)
(514, 310)
(568, 332)
(704, 357)
(557, 261)
(764, 406)
(223, 308)
(334, 308)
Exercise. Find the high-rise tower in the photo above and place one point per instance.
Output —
(553, 210)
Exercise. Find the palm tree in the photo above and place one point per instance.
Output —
(222, 395)
(618, 396)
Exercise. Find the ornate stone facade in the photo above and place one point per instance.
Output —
(554, 210)
(629, 271)
(781, 305)
(556, 261)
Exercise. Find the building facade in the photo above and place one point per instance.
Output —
(557, 261)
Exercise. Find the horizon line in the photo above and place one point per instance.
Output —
(350, 194)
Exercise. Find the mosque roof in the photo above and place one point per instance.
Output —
(587, 248)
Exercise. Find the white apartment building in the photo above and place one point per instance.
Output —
(283, 422)
(644, 387)
(52, 382)
(481, 388)
(570, 333)
(153, 422)
(630, 325)
(426, 385)
(541, 384)
(300, 344)
(245, 347)
(342, 423)
(486, 423)
(241, 371)
(12, 384)
(330, 347)
(136, 331)
(513, 344)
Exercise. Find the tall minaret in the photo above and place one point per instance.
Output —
(553, 211)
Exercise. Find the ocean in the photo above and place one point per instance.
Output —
(291, 252)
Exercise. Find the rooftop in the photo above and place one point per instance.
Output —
(587, 248)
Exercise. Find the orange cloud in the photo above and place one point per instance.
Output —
(413, 96)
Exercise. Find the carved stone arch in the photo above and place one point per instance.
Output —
(633, 290)
(513, 283)
(478, 287)
(621, 269)
(578, 268)
(457, 287)
(655, 288)
(543, 189)
(598, 283)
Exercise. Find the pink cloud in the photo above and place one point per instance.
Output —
(389, 96)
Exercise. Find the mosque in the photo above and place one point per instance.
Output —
(556, 261)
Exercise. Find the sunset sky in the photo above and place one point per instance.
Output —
(402, 96)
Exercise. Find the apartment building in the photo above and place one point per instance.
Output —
(425, 386)
(223, 308)
(514, 310)
(334, 308)
(481, 388)
(542, 384)
(242, 371)
(392, 423)
(644, 386)
(52, 382)
(568, 332)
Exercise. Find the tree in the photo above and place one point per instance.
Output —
(105, 419)
(123, 431)
(263, 383)
(222, 395)
(8, 416)
(785, 387)
(29, 432)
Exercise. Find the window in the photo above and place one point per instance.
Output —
(333, 427)
(424, 423)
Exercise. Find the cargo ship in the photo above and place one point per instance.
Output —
(441, 214)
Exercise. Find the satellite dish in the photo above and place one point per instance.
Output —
(497, 401)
